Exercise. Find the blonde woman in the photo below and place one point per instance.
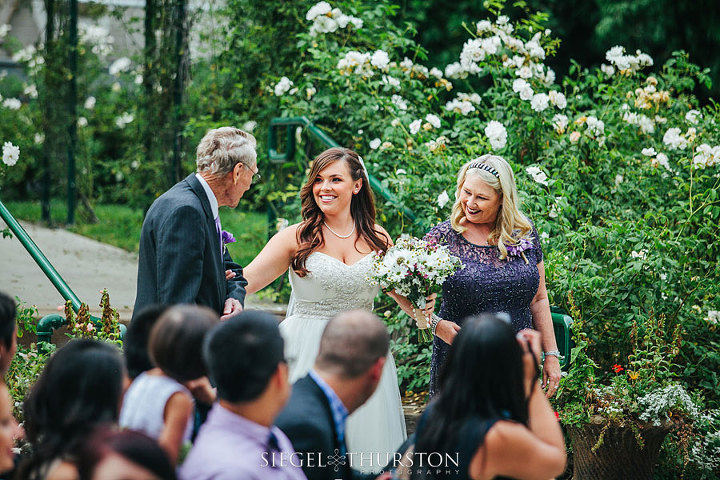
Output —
(504, 269)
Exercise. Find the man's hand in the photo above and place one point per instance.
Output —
(447, 331)
(232, 306)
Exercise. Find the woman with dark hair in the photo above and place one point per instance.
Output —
(80, 388)
(112, 454)
(490, 416)
(8, 332)
(329, 255)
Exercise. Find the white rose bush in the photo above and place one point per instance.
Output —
(615, 159)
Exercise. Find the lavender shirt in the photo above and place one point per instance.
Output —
(231, 447)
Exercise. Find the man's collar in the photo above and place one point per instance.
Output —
(210, 195)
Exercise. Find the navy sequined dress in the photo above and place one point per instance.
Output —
(486, 284)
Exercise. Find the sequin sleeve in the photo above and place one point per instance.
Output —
(438, 234)
(536, 243)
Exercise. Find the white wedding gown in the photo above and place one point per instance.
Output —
(378, 427)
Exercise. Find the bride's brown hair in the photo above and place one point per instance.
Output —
(362, 209)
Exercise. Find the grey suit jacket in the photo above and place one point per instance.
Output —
(180, 259)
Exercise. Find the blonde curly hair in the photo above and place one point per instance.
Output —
(511, 224)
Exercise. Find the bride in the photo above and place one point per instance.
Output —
(329, 255)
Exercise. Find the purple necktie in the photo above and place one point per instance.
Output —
(219, 232)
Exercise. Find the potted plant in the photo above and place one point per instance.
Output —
(616, 421)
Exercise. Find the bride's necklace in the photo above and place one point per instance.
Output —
(337, 234)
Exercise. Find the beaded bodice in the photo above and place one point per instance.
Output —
(487, 283)
(331, 287)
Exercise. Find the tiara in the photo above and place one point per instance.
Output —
(486, 167)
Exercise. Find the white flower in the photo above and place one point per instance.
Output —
(460, 106)
(320, 8)
(524, 72)
(31, 91)
(560, 122)
(540, 102)
(595, 127)
(674, 139)
(483, 26)
(619, 179)
(649, 152)
(124, 119)
(399, 102)
(39, 138)
(662, 160)
(519, 84)
(415, 126)
(455, 71)
(4, 30)
(395, 122)
(11, 154)
(90, 103)
(310, 91)
(323, 24)
(433, 120)
(134, 164)
(138, 79)
(558, 99)
(472, 52)
(614, 53)
(497, 135)
(283, 86)
(24, 55)
(375, 143)
(386, 146)
(436, 72)
(607, 70)
(390, 80)
(116, 87)
(400, 171)
(693, 116)
(120, 65)
(443, 199)
(380, 59)
(538, 175)
(544, 236)
(646, 124)
(82, 122)
(249, 126)
(641, 254)
(12, 103)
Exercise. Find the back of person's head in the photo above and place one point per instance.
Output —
(176, 341)
(242, 354)
(483, 373)
(8, 331)
(113, 454)
(483, 377)
(135, 341)
(352, 343)
(81, 387)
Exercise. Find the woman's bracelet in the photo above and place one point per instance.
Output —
(552, 353)
(434, 320)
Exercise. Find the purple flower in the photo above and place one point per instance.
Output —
(522, 245)
(227, 237)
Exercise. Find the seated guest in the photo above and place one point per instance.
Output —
(112, 454)
(491, 414)
(158, 401)
(348, 367)
(245, 360)
(80, 388)
(8, 332)
(8, 431)
(135, 342)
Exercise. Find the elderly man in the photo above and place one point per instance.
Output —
(182, 255)
(348, 367)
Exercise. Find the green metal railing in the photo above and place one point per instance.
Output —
(290, 148)
(47, 324)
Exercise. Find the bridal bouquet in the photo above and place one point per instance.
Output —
(415, 269)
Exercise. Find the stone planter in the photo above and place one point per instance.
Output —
(619, 456)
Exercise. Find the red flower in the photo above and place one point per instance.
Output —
(557, 415)
(617, 368)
